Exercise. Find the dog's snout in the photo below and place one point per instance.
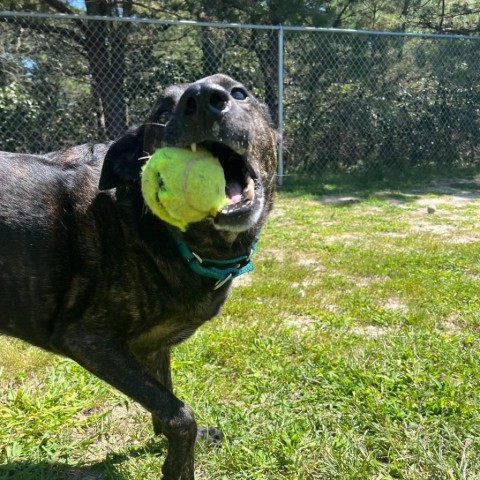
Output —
(200, 100)
(210, 110)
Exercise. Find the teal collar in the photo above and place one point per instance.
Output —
(221, 270)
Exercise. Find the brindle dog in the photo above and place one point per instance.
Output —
(88, 272)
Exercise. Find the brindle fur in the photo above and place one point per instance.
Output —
(87, 272)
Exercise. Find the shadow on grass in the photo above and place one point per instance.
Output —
(107, 469)
(344, 188)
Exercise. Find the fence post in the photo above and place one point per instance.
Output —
(280, 106)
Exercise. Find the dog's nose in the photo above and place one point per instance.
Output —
(204, 100)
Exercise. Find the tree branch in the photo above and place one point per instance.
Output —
(338, 18)
(154, 10)
(59, 6)
(44, 28)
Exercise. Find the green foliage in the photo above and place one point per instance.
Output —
(44, 92)
(367, 102)
(352, 102)
(447, 16)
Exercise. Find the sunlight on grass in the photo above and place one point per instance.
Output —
(351, 352)
(18, 359)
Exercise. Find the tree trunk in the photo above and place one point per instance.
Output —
(104, 44)
(211, 52)
(105, 49)
(267, 53)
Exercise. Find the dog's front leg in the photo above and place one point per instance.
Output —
(111, 360)
(158, 364)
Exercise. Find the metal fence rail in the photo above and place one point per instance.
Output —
(343, 100)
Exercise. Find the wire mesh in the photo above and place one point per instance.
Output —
(366, 101)
(351, 101)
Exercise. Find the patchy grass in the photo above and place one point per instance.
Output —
(352, 352)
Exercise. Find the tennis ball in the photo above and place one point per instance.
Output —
(182, 186)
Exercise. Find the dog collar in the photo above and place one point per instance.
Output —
(221, 270)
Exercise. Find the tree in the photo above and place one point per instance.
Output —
(438, 16)
(102, 44)
(264, 43)
(351, 101)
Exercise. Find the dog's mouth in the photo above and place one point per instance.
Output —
(242, 187)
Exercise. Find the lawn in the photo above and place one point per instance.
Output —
(351, 352)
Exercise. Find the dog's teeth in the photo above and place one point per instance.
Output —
(193, 146)
(249, 190)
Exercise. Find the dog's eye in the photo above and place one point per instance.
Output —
(239, 94)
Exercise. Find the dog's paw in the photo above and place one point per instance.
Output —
(209, 435)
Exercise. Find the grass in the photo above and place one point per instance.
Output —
(351, 352)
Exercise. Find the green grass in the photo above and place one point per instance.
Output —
(351, 352)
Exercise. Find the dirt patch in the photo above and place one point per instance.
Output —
(277, 212)
(332, 308)
(445, 200)
(371, 331)
(450, 325)
(396, 198)
(394, 303)
(453, 190)
(272, 253)
(365, 281)
(107, 433)
(389, 235)
(307, 259)
(242, 281)
(442, 229)
(340, 199)
(301, 323)
(464, 239)
(345, 238)
(456, 234)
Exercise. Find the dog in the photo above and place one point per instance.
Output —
(88, 272)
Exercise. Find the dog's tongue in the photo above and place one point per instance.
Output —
(233, 190)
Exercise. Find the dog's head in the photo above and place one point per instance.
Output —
(220, 115)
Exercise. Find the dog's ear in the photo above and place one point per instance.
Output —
(122, 162)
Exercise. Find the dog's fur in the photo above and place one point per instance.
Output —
(86, 271)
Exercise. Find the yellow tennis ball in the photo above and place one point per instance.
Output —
(181, 186)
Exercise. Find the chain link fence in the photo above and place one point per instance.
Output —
(343, 101)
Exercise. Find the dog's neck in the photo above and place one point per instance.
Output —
(208, 242)
(209, 252)
(222, 270)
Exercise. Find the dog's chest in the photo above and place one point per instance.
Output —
(182, 322)
(161, 302)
